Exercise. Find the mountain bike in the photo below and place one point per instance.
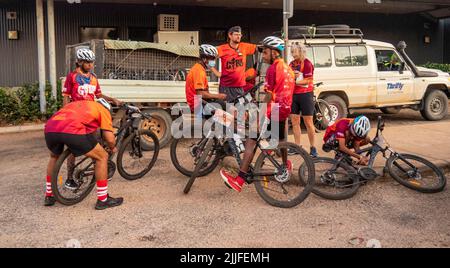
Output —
(133, 162)
(340, 178)
(274, 183)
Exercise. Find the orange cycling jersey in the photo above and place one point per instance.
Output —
(80, 118)
(196, 80)
(234, 62)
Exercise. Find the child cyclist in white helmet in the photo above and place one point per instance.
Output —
(347, 134)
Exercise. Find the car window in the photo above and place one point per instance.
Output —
(350, 56)
(322, 57)
(343, 57)
(359, 55)
(310, 53)
(387, 60)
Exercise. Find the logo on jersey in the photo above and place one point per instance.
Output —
(234, 63)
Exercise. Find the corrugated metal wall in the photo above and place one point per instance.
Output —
(447, 41)
(19, 57)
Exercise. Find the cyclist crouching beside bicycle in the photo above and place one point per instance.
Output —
(347, 134)
(74, 126)
(279, 87)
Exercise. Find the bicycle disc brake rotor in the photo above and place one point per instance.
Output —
(414, 174)
(367, 173)
(328, 178)
(284, 176)
(194, 150)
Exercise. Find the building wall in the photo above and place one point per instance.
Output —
(21, 55)
(446, 42)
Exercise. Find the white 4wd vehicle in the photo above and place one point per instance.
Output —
(358, 73)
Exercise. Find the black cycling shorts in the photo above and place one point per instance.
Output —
(231, 92)
(303, 104)
(77, 144)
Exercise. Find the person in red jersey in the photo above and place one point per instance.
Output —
(82, 83)
(303, 99)
(280, 87)
(347, 134)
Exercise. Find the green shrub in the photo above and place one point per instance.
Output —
(18, 105)
(445, 67)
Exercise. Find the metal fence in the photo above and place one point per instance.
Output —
(139, 64)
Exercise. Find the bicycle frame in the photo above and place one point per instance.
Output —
(378, 145)
(123, 131)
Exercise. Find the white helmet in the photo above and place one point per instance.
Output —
(360, 126)
(273, 42)
(85, 54)
(208, 51)
(105, 104)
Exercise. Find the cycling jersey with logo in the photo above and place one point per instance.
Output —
(306, 70)
(80, 118)
(280, 82)
(195, 80)
(338, 129)
(233, 63)
(81, 86)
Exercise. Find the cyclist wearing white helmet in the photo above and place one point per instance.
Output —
(347, 134)
(197, 81)
(82, 83)
(280, 88)
(75, 126)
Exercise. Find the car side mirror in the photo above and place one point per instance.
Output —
(402, 68)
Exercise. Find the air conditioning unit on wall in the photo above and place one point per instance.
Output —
(168, 22)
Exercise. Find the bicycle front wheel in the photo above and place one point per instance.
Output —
(279, 186)
(332, 180)
(133, 162)
(416, 173)
(185, 153)
(80, 170)
(205, 150)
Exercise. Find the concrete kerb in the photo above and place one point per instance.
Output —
(21, 129)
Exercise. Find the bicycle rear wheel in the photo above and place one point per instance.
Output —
(81, 170)
(416, 173)
(185, 153)
(206, 149)
(281, 188)
(333, 181)
(133, 162)
(322, 115)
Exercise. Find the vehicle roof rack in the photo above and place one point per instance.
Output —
(335, 33)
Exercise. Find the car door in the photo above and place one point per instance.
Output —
(393, 86)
